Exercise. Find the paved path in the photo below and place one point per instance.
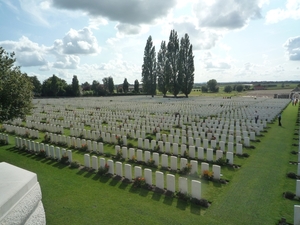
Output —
(259, 180)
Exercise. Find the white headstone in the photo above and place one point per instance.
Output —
(137, 171)
(111, 169)
(128, 172)
(95, 162)
(171, 182)
(148, 176)
(210, 154)
(183, 185)
(204, 166)
(217, 172)
(200, 153)
(196, 189)
(296, 214)
(164, 161)
(119, 169)
(173, 163)
(159, 180)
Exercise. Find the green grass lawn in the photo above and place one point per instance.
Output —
(253, 195)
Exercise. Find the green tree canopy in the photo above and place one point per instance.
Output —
(111, 85)
(15, 89)
(125, 85)
(227, 89)
(162, 69)
(75, 87)
(37, 86)
(239, 88)
(186, 68)
(149, 68)
(212, 85)
(136, 86)
(54, 87)
(174, 63)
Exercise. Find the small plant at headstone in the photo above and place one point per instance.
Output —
(130, 145)
(64, 158)
(26, 135)
(100, 139)
(151, 162)
(202, 202)
(208, 175)
(221, 161)
(3, 142)
(185, 154)
(139, 182)
(47, 139)
(24, 148)
(84, 147)
(292, 175)
(156, 148)
(75, 164)
(119, 140)
(154, 131)
(289, 195)
(42, 153)
(103, 170)
(246, 155)
(149, 138)
(183, 196)
(119, 155)
(187, 169)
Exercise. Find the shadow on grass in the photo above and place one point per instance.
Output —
(123, 185)
(181, 204)
(60, 165)
(114, 181)
(168, 200)
(156, 196)
(195, 209)
(104, 179)
(144, 192)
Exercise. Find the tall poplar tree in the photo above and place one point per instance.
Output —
(162, 69)
(173, 56)
(186, 67)
(75, 86)
(149, 68)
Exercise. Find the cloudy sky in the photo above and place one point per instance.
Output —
(233, 40)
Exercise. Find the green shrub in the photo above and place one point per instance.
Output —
(292, 175)
(149, 138)
(130, 145)
(75, 164)
(289, 195)
(221, 161)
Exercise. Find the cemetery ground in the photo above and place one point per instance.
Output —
(253, 194)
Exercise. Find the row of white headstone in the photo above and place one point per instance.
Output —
(192, 151)
(4, 137)
(116, 168)
(50, 150)
(21, 131)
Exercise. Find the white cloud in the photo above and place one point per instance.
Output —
(129, 11)
(213, 62)
(80, 42)
(67, 62)
(200, 38)
(95, 22)
(230, 14)
(28, 53)
(291, 11)
(292, 46)
(129, 29)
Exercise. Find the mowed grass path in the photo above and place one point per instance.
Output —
(255, 193)
(253, 196)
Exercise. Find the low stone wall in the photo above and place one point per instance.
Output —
(21, 196)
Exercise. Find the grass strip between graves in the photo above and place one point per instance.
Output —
(253, 196)
(255, 193)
